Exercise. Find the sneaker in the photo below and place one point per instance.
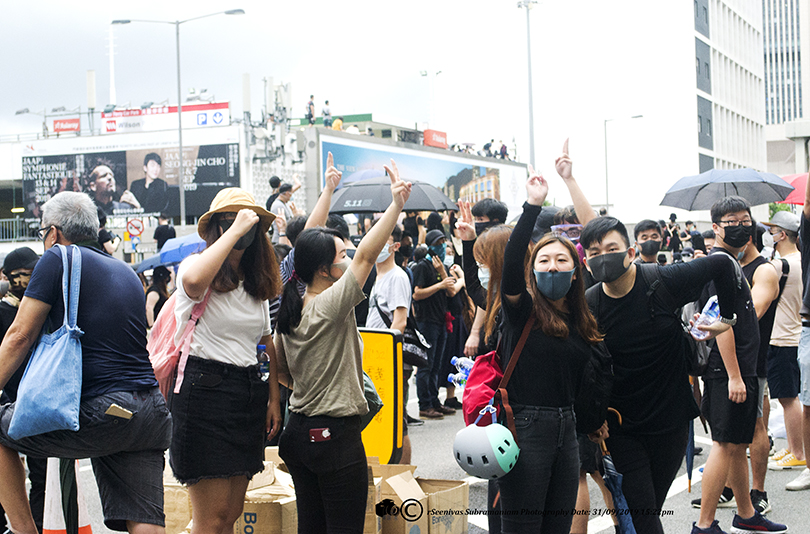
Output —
(726, 500)
(714, 529)
(412, 421)
(445, 410)
(453, 402)
(787, 462)
(755, 524)
(697, 451)
(760, 501)
(771, 448)
(801, 483)
(430, 413)
(779, 455)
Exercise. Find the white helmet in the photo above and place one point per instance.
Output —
(485, 451)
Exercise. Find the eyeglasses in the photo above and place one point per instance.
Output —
(571, 231)
(726, 224)
(43, 232)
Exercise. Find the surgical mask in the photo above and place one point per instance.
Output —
(448, 260)
(439, 251)
(741, 254)
(343, 265)
(244, 241)
(483, 277)
(650, 247)
(608, 267)
(384, 253)
(481, 226)
(736, 236)
(554, 285)
(768, 239)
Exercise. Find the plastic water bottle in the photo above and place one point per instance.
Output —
(710, 314)
(264, 362)
(457, 379)
(463, 364)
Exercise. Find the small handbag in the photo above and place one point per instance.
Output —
(373, 399)
(414, 345)
(486, 385)
(51, 387)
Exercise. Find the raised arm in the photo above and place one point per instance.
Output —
(376, 238)
(321, 211)
(564, 167)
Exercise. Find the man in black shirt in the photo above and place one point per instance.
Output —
(651, 389)
(164, 231)
(648, 240)
(151, 191)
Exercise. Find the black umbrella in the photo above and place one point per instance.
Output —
(699, 192)
(374, 195)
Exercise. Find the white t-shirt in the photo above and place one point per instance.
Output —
(391, 291)
(231, 326)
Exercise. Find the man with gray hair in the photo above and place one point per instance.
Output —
(125, 426)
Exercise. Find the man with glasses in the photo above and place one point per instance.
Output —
(731, 386)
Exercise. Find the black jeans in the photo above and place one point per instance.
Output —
(330, 477)
(649, 465)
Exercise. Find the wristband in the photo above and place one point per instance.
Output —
(730, 322)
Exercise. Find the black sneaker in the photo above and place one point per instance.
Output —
(413, 421)
(453, 402)
(760, 501)
(755, 524)
(714, 529)
(726, 500)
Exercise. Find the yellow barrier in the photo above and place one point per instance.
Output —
(382, 360)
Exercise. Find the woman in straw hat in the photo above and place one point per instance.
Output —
(224, 410)
(320, 356)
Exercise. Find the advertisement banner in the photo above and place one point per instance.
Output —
(66, 125)
(135, 180)
(435, 138)
(165, 118)
(458, 176)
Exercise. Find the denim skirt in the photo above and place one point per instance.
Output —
(219, 422)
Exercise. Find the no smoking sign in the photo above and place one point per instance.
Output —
(135, 227)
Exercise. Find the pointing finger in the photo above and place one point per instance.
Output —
(330, 161)
(565, 147)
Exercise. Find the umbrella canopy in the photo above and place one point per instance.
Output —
(799, 183)
(374, 195)
(700, 192)
(177, 249)
(149, 263)
(613, 481)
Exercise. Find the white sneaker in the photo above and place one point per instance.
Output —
(801, 483)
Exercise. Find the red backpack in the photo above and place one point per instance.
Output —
(164, 354)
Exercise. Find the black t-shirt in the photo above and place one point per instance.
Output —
(804, 239)
(746, 331)
(104, 236)
(160, 302)
(651, 388)
(697, 240)
(7, 315)
(163, 233)
(153, 199)
(549, 370)
(766, 322)
(433, 308)
(112, 314)
(411, 227)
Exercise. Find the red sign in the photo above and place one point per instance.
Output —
(135, 227)
(110, 126)
(435, 138)
(162, 110)
(66, 125)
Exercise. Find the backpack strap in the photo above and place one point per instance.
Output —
(501, 394)
(185, 339)
(783, 278)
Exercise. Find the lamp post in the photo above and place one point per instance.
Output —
(177, 24)
(607, 198)
(528, 5)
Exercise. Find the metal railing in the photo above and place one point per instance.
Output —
(18, 229)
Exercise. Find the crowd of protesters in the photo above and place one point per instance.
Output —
(300, 286)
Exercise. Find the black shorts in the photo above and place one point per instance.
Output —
(219, 422)
(730, 422)
(784, 377)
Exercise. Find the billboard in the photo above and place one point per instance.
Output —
(165, 118)
(458, 176)
(66, 125)
(134, 180)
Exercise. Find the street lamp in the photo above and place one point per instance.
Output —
(431, 76)
(528, 5)
(607, 200)
(177, 24)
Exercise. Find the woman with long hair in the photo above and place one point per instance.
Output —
(548, 291)
(225, 409)
(157, 293)
(320, 358)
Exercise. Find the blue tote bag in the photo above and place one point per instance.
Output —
(50, 390)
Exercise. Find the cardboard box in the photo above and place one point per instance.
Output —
(268, 510)
(271, 455)
(400, 488)
(265, 478)
(373, 523)
(176, 506)
(448, 501)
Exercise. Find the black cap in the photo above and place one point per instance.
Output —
(433, 236)
(20, 258)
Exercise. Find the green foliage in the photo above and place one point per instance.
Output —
(773, 208)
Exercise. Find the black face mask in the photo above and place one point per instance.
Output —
(650, 247)
(737, 236)
(481, 226)
(244, 241)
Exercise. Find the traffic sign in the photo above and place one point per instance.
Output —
(135, 226)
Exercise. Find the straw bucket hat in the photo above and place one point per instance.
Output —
(231, 200)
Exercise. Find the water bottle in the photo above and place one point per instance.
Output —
(463, 364)
(710, 314)
(264, 362)
(457, 379)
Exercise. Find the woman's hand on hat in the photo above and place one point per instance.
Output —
(536, 187)
(245, 220)
(400, 191)
(332, 175)
(465, 226)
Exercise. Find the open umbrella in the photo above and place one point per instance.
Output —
(799, 183)
(700, 192)
(613, 481)
(374, 195)
(149, 263)
(177, 249)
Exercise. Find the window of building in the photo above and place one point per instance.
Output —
(700, 124)
(709, 127)
(697, 65)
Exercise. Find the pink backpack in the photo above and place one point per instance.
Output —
(163, 353)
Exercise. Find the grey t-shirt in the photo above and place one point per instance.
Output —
(391, 291)
(324, 354)
(283, 206)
